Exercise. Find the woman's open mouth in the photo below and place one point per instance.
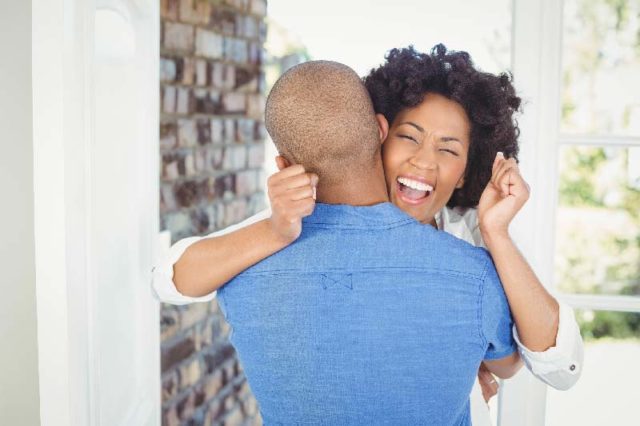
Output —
(412, 191)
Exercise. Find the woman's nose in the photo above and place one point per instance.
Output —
(424, 159)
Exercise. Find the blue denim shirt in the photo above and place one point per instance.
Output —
(369, 318)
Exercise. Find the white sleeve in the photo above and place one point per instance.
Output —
(162, 274)
(559, 366)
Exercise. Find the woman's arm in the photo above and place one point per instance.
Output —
(210, 262)
(545, 330)
(197, 267)
(163, 284)
(535, 311)
(504, 368)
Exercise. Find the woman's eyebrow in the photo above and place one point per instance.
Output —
(443, 138)
(450, 139)
(410, 123)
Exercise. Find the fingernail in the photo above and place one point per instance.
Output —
(314, 192)
(314, 180)
(500, 154)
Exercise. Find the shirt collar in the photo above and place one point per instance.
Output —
(346, 216)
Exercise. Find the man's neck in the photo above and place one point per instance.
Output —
(362, 190)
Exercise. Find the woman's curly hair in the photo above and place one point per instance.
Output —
(489, 100)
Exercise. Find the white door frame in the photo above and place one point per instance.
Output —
(536, 64)
(64, 140)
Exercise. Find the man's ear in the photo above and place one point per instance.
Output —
(383, 127)
(282, 162)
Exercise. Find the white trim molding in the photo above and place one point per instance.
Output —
(536, 65)
(599, 302)
(96, 237)
(600, 140)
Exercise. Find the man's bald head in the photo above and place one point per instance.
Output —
(319, 114)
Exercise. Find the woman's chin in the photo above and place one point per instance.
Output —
(419, 212)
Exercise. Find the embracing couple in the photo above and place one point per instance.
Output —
(382, 287)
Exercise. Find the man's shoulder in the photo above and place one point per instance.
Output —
(409, 246)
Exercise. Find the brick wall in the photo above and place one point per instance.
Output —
(212, 150)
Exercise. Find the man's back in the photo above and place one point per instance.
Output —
(369, 318)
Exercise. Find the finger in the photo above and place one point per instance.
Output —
(490, 386)
(298, 181)
(503, 176)
(494, 385)
(278, 182)
(287, 172)
(486, 376)
(503, 180)
(280, 163)
(305, 208)
(300, 209)
(518, 185)
(498, 164)
(517, 179)
(497, 161)
(298, 194)
(501, 166)
(491, 391)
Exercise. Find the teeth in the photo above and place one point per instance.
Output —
(415, 184)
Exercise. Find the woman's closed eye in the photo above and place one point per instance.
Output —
(411, 138)
(449, 151)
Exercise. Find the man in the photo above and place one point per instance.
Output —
(369, 317)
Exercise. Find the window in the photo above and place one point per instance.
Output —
(579, 64)
(598, 220)
(597, 239)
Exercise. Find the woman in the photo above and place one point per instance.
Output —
(450, 145)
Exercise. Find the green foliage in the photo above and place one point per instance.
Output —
(606, 258)
(577, 181)
(600, 324)
(621, 10)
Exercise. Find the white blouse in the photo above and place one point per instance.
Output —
(559, 366)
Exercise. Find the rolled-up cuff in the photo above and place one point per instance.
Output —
(559, 366)
(163, 285)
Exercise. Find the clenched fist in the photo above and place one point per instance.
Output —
(292, 193)
(503, 197)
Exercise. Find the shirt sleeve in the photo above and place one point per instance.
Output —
(559, 366)
(162, 274)
(497, 323)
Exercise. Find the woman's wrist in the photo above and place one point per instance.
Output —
(277, 238)
(495, 237)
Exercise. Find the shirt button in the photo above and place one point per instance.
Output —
(572, 367)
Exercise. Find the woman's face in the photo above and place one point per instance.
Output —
(425, 155)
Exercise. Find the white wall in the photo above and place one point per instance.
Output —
(19, 400)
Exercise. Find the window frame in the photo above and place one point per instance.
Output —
(537, 36)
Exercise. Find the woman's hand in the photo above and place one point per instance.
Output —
(503, 197)
(488, 383)
(292, 193)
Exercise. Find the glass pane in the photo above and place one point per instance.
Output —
(607, 392)
(598, 221)
(601, 67)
